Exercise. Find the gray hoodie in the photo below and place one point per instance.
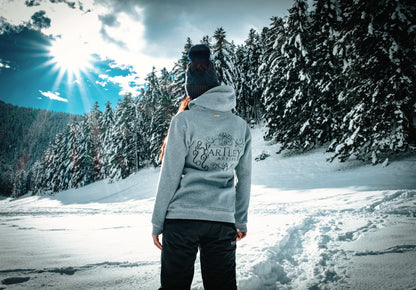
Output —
(206, 169)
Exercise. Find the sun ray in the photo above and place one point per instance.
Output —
(71, 63)
(70, 58)
(59, 77)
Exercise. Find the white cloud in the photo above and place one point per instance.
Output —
(144, 34)
(53, 96)
(131, 83)
(103, 83)
(111, 29)
(16, 12)
(168, 23)
(124, 43)
(4, 65)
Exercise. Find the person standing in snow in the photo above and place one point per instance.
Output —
(204, 184)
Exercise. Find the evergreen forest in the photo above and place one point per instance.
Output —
(25, 133)
(339, 74)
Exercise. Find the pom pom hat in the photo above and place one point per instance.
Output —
(200, 74)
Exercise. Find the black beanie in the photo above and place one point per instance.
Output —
(200, 74)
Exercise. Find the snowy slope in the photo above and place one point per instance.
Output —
(312, 224)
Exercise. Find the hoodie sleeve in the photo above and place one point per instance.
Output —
(243, 186)
(170, 173)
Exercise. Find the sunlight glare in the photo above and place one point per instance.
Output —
(70, 55)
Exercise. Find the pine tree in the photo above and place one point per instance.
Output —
(75, 155)
(19, 183)
(37, 176)
(65, 158)
(165, 110)
(207, 40)
(157, 107)
(248, 89)
(272, 76)
(53, 174)
(290, 102)
(86, 152)
(60, 178)
(223, 57)
(327, 80)
(26, 133)
(93, 135)
(178, 73)
(148, 106)
(123, 154)
(106, 123)
(379, 60)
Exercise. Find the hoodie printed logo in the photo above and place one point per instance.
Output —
(222, 151)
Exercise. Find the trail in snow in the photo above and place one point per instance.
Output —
(319, 249)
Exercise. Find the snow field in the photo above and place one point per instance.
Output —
(312, 225)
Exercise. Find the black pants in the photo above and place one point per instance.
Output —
(217, 244)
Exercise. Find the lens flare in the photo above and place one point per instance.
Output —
(70, 55)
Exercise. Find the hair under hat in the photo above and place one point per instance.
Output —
(200, 74)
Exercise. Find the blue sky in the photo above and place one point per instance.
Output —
(30, 77)
(64, 56)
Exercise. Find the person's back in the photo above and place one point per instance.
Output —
(199, 202)
(215, 140)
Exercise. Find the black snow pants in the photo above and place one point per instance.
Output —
(217, 244)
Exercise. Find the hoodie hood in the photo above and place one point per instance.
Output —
(219, 98)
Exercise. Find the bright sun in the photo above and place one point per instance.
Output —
(70, 56)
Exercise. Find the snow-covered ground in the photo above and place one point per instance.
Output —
(312, 225)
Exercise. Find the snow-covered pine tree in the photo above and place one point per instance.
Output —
(37, 176)
(248, 89)
(39, 169)
(60, 174)
(165, 109)
(94, 137)
(327, 80)
(53, 165)
(75, 158)
(19, 183)
(207, 40)
(87, 151)
(379, 44)
(65, 159)
(48, 170)
(142, 124)
(224, 59)
(59, 167)
(178, 73)
(271, 73)
(122, 153)
(241, 86)
(148, 105)
(288, 97)
(157, 106)
(106, 124)
(107, 119)
(296, 94)
(53, 171)
(50, 165)
(65, 166)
